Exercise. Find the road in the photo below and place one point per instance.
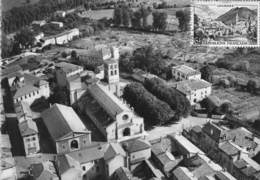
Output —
(184, 123)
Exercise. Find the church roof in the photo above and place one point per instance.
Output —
(62, 120)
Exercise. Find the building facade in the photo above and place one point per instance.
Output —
(184, 72)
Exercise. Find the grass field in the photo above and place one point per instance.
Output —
(9, 4)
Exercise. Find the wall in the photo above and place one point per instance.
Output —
(31, 143)
(63, 146)
(144, 154)
(114, 164)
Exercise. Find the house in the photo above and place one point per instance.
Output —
(123, 173)
(57, 24)
(66, 36)
(89, 159)
(64, 71)
(29, 133)
(194, 90)
(182, 173)
(113, 118)
(38, 37)
(163, 158)
(68, 168)
(44, 170)
(183, 72)
(114, 157)
(182, 146)
(31, 89)
(39, 23)
(23, 111)
(8, 166)
(245, 168)
(66, 129)
(60, 13)
(47, 41)
(138, 150)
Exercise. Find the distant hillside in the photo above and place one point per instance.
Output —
(203, 11)
(230, 16)
(9, 4)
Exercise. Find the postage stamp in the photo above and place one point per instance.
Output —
(231, 23)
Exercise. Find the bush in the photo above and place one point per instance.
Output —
(148, 106)
(177, 101)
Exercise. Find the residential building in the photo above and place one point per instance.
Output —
(138, 150)
(60, 13)
(8, 166)
(162, 156)
(183, 72)
(66, 36)
(43, 171)
(31, 89)
(115, 157)
(39, 23)
(113, 118)
(66, 129)
(90, 161)
(66, 70)
(195, 90)
(68, 168)
(182, 173)
(23, 111)
(38, 37)
(29, 133)
(123, 173)
(182, 146)
(57, 24)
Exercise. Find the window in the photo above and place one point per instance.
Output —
(125, 117)
(29, 95)
(74, 144)
(97, 168)
(37, 92)
(83, 168)
(111, 66)
(28, 139)
(25, 97)
(63, 146)
(126, 132)
(34, 93)
(111, 73)
(115, 66)
(115, 72)
(33, 138)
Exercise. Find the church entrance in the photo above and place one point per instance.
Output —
(126, 132)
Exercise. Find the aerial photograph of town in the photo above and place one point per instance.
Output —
(130, 90)
(217, 22)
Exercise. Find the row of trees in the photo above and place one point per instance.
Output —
(147, 105)
(125, 16)
(177, 101)
(184, 19)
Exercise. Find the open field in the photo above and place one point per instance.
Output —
(9, 4)
(244, 104)
(98, 14)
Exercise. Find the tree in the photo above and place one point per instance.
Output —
(144, 13)
(74, 54)
(118, 16)
(225, 108)
(206, 73)
(177, 101)
(159, 20)
(183, 17)
(136, 20)
(24, 38)
(252, 86)
(146, 105)
(64, 54)
(126, 16)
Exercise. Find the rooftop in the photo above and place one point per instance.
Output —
(61, 120)
(186, 70)
(5, 141)
(136, 145)
(229, 148)
(26, 89)
(93, 152)
(44, 170)
(185, 143)
(23, 110)
(27, 128)
(182, 173)
(113, 150)
(68, 67)
(107, 100)
(191, 85)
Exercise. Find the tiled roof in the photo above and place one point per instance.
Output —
(67, 67)
(90, 153)
(113, 150)
(241, 163)
(25, 90)
(249, 171)
(168, 161)
(43, 171)
(7, 163)
(107, 100)
(136, 145)
(197, 129)
(27, 128)
(5, 141)
(65, 162)
(11, 70)
(203, 170)
(182, 173)
(185, 143)
(224, 175)
(213, 130)
(61, 120)
(191, 85)
(241, 137)
(123, 173)
(229, 148)
(186, 70)
(23, 110)
(161, 146)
